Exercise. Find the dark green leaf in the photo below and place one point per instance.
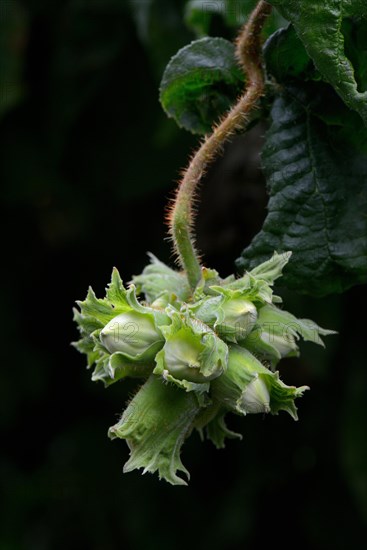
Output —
(319, 26)
(316, 175)
(200, 83)
(285, 56)
(355, 41)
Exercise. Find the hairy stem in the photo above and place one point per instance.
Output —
(181, 215)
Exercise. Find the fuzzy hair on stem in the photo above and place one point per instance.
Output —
(181, 211)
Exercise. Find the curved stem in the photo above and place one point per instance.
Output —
(181, 215)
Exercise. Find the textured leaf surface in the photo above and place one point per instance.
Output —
(200, 83)
(319, 26)
(316, 174)
(155, 425)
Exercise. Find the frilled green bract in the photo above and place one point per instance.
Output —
(155, 425)
(192, 355)
(118, 334)
(276, 334)
(248, 387)
(232, 315)
(158, 279)
(201, 354)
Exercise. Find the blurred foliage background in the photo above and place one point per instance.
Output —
(88, 161)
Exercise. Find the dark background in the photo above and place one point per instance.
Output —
(88, 161)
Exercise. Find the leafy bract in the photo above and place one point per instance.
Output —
(249, 387)
(319, 26)
(192, 355)
(117, 333)
(318, 201)
(217, 431)
(158, 279)
(276, 334)
(200, 83)
(155, 425)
